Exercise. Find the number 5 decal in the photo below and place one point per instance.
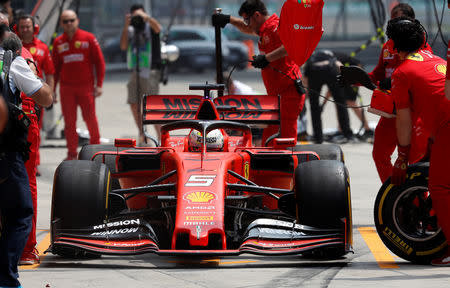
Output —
(200, 180)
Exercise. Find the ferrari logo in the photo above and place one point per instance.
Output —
(441, 69)
(200, 197)
(77, 44)
(33, 50)
(415, 57)
(246, 170)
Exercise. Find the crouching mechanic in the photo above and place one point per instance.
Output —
(418, 87)
(257, 21)
(15, 196)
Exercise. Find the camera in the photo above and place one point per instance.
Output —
(138, 23)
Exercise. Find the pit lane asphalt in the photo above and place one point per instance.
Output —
(371, 265)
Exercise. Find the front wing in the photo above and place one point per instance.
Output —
(263, 237)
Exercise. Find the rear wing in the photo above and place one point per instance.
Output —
(251, 109)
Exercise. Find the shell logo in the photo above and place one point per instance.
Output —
(200, 197)
(441, 69)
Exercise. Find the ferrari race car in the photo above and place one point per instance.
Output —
(199, 194)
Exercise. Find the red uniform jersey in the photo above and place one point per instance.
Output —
(418, 83)
(41, 56)
(274, 81)
(388, 61)
(76, 58)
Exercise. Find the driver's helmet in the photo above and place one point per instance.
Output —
(214, 140)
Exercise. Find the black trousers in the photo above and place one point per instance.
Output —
(317, 77)
(16, 208)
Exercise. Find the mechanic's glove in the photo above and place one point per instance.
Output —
(220, 20)
(260, 61)
(401, 165)
(385, 84)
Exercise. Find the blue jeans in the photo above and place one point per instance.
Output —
(16, 209)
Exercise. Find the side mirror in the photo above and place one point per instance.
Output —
(169, 52)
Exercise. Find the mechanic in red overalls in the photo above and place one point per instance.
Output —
(256, 21)
(27, 29)
(35, 50)
(418, 87)
(75, 54)
(385, 139)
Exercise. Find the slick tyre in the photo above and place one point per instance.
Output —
(404, 218)
(88, 151)
(80, 192)
(325, 151)
(323, 200)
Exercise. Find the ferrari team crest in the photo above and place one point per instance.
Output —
(415, 57)
(77, 44)
(33, 50)
(200, 197)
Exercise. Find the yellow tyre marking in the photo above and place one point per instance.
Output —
(41, 247)
(382, 255)
(380, 207)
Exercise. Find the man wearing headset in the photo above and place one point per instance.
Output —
(418, 88)
(385, 139)
(26, 29)
(257, 21)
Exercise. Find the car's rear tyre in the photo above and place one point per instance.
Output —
(323, 200)
(80, 192)
(88, 151)
(325, 151)
(404, 218)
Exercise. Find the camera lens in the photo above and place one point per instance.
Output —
(138, 23)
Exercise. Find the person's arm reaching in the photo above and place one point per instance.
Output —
(26, 81)
(241, 25)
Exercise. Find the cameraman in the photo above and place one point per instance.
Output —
(140, 34)
(15, 196)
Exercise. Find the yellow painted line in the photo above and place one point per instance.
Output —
(41, 247)
(384, 258)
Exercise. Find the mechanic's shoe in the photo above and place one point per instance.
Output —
(443, 261)
(338, 139)
(38, 173)
(30, 258)
(328, 137)
(367, 136)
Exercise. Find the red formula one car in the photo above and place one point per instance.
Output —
(202, 194)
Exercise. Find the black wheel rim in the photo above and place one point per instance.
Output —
(413, 215)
